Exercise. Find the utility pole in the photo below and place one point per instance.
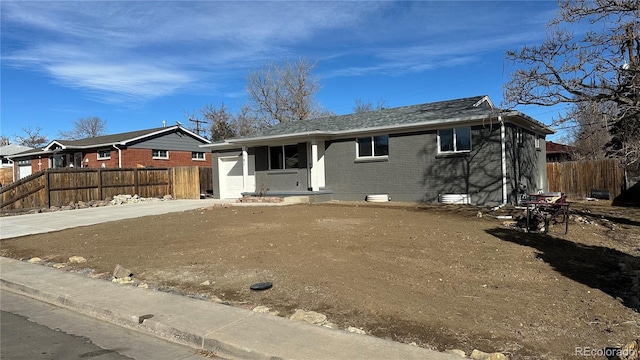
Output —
(198, 122)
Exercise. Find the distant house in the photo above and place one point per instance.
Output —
(158, 147)
(465, 148)
(6, 174)
(559, 152)
(8, 150)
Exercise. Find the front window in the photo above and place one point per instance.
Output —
(454, 140)
(59, 161)
(159, 154)
(283, 157)
(197, 155)
(374, 146)
(104, 154)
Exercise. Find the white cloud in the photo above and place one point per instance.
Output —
(144, 50)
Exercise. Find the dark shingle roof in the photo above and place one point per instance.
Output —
(466, 108)
(109, 139)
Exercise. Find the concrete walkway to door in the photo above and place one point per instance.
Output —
(29, 224)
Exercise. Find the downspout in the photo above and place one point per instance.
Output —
(13, 170)
(503, 148)
(119, 156)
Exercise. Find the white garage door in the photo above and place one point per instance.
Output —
(230, 170)
(24, 171)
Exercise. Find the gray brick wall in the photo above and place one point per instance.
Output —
(415, 172)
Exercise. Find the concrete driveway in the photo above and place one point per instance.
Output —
(29, 224)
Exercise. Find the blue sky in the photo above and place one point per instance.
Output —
(136, 63)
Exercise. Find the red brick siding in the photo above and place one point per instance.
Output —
(142, 157)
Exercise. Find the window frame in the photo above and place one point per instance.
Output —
(454, 139)
(283, 153)
(195, 158)
(372, 142)
(160, 157)
(99, 157)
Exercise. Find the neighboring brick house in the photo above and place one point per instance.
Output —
(158, 147)
(458, 149)
(559, 152)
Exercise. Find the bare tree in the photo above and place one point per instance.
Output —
(91, 126)
(32, 137)
(590, 134)
(4, 141)
(245, 123)
(221, 122)
(361, 106)
(284, 93)
(601, 65)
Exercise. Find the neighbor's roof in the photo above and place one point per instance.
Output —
(121, 138)
(110, 140)
(12, 149)
(431, 114)
(555, 148)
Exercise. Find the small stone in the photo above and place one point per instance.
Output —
(355, 330)
(167, 197)
(456, 352)
(480, 355)
(205, 283)
(143, 285)
(59, 266)
(34, 260)
(262, 309)
(310, 317)
(124, 280)
(77, 260)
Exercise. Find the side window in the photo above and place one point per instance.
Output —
(373, 146)
(454, 140)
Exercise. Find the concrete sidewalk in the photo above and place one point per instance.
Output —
(229, 332)
(29, 224)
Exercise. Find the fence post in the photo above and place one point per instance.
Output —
(135, 182)
(170, 174)
(47, 188)
(100, 184)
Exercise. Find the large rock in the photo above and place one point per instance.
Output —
(480, 355)
(77, 260)
(120, 272)
(310, 317)
(34, 260)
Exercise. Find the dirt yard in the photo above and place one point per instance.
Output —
(439, 276)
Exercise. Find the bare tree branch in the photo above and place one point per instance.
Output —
(91, 126)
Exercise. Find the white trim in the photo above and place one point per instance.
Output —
(47, 148)
(245, 170)
(165, 130)
(314, 166)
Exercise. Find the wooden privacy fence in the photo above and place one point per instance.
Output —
(577, 178)
(59, 187)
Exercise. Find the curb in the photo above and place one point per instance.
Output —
(136, 322)
(227, 331)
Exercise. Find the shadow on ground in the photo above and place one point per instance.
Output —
(595, 266)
